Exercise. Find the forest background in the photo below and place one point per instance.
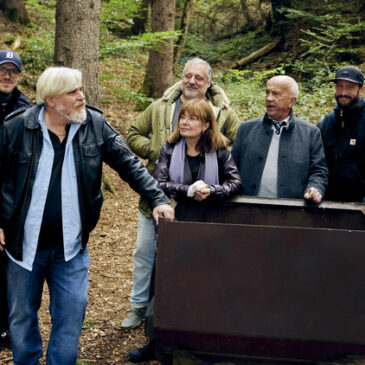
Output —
(245, 41)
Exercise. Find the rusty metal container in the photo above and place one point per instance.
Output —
(262, 277)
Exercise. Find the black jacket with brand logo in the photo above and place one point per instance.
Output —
(343, 135)
(95, 142)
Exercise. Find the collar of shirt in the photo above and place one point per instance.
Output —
(285, 124)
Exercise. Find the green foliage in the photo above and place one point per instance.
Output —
(315, 101)
(39, 42)
(242, 46)
(108, 185)
(141, 42)
(246, 90)
(228, 49)
(332, 34)
(38, 51)
(45, 8)
(88, 323)
(118, 14)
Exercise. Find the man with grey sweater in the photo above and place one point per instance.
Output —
(279, 155)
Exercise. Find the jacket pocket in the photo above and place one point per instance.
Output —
(93, 149)
(22, 157)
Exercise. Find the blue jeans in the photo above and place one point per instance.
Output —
(143, 259)
(68, 285)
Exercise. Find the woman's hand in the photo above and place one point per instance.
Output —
(202, 194)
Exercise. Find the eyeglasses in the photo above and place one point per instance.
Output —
(13, 73)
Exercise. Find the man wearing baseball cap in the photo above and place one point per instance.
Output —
(343, 135)
(11, 98)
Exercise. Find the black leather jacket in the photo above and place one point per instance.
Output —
(229, 177)
(94, 143)
(18, 101)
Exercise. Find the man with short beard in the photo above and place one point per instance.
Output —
(51, 159)
(343, 135)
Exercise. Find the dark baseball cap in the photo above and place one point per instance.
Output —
(11, 57)
(350, 73)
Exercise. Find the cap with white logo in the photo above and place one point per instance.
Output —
(7, 56)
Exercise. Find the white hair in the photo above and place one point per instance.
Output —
(56, 81)
(199, 61)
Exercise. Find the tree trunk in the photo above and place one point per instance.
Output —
(159, 68)
(280, 22)
(14, 10)
(257, 54)
(140, 20)
(77, 42)
(184, 27)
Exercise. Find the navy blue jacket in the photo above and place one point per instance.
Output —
(301, 160)
(343, 135)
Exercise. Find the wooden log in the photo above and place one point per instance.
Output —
(257, 54)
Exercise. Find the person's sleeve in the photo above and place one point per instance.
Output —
(3, 157)
(119, 156)
(231, 180)
(318, 171)
(138, 136)
(162, 175)
(231, 126)
(236, 149)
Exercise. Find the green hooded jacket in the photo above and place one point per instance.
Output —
(148, 133)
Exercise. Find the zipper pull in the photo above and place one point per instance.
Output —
(342, 120)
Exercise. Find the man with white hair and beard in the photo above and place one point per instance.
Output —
(51, 161)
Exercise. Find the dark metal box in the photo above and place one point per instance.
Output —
(262, 277)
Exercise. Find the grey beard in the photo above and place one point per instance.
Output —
(77, 117)
(74, 117)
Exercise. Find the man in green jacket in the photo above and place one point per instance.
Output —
(146, 137)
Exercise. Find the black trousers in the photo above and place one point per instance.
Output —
(4, 309)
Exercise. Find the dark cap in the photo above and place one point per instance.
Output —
(11, 57)
(350, 73)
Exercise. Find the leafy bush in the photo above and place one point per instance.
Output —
(140, 42)
(246, 90)
(118, 14)
(332, 34)
(38, 51)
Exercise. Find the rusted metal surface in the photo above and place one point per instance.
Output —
(275, 286)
